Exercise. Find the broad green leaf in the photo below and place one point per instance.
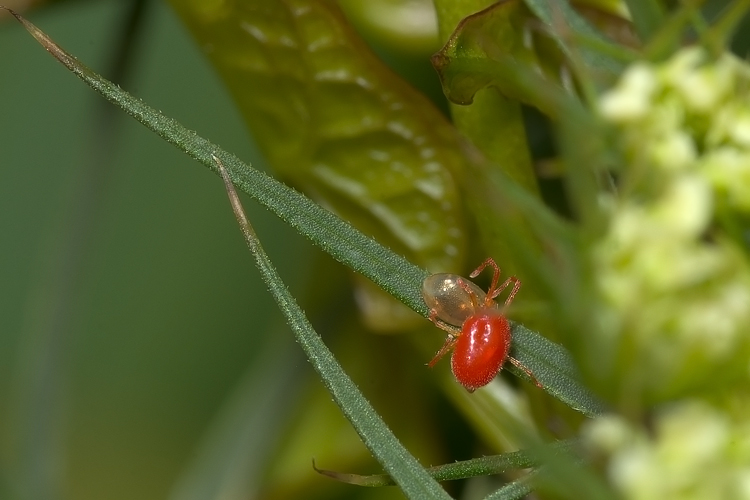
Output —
(467, 62)
(336, 122)
(406, 27)
(493, 122)
(393, 273)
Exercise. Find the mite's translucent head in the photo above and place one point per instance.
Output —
(451, 302)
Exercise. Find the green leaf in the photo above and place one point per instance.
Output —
(493, 122)
(467, 62)
(554, 368)
(392, 272)
(513, 491)
(339, 124)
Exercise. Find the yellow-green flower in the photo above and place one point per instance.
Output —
(673, 291)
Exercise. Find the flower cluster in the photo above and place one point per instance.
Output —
(691, 113)
(674, 286)
(672, 280)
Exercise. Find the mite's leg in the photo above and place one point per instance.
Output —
(516, 286)
(495, 277)
(526, 370)
(450, 341)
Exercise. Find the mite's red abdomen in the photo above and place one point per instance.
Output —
(481, 349)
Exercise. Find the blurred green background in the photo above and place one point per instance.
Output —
(164, 311)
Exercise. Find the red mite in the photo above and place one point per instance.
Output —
(482, 343)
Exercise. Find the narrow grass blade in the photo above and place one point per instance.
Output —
(484, 466)
(554, 368)
(402, 467)
(513, 491)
